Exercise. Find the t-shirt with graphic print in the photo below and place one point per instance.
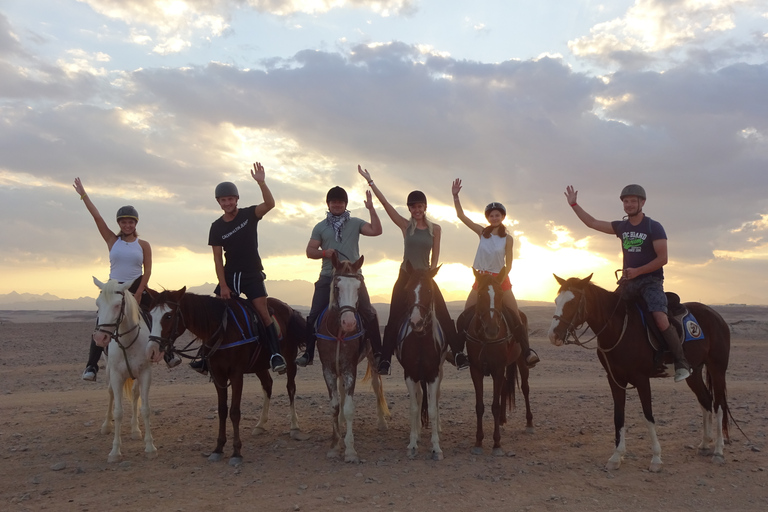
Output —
(240, 241)
(637, 242)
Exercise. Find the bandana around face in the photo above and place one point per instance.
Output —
(337, 221)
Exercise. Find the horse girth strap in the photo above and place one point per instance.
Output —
(505, 339)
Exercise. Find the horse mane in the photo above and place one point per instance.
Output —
(202, 313)
(131, 310)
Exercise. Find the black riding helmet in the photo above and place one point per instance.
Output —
(632, 190)
(417, 196)
(336, 194)
(495, 206)
(127, 212)
(225, 189)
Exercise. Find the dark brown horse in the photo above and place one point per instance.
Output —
(492, 350)
(421, 351)
(341, 344)
(628, 358)
(229, 332)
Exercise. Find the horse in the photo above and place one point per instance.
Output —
(341, 345)
(628, 358)
(121, 328)
(492, 350)
(421, 351)
(229, 335)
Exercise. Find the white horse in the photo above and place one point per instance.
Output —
(121, 328)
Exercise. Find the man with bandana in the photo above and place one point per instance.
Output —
(339, 233)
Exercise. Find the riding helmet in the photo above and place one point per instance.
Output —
(632, 190)
(225, 189)
(127, 212)
(417, 196)
(336, 194)
(495, 206)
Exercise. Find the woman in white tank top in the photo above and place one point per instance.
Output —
(494, 252)
(130, 259)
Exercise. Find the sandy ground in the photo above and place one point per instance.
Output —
(54, 458)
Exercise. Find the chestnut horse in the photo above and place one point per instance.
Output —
(421, 351)
(492, 350)
(628, 358)
(341, 344)
(230, 330)
(124, 332)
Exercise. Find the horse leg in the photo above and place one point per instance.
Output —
(234, 414)
(382, 410)
(414, 390)
(221, 394)
(704, 397)
(290, 387)
(266, 389)
(433, 391)
(117, 414)
(349, 378)
(619, 399)
(135, 400)
(524, 372)
(497, 408)
(145, 380)
(644, 391)
(333, 395)
(106, 427)
(717, 379)
(477, 381)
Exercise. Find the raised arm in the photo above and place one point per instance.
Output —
(109, 237)
(374, 228)
(587, 219)
(398, 219)
(258, 174)
(455, 189)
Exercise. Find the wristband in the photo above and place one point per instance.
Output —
(370, 183)
(82, 197)
(323, 253)
(573, 204)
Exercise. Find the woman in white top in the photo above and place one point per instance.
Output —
(130, 259)
(494, 252)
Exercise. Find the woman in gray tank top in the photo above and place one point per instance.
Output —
(422, 249)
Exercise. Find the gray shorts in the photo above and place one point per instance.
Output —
(651, 289)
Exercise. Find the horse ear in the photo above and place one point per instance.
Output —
(560, 280)
(359, 263)
(432, 273)
(98, 283)
(334, 259)
(588, 278)
(152, 293)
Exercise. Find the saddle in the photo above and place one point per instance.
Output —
(251, 327)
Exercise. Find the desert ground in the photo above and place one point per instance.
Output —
(55, 458)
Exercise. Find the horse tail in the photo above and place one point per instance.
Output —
(296, 328)
(424, 404)
(128, 388)
(510, 385)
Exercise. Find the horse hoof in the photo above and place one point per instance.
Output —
(151, 454)
(215, 457)
(351, 458)
(383, 426)
(718, 459)
(705, 451)
(298, 435)
(235, 461)
(332, 454)
(115, 458)
(655, 467)
(476, 450)
(257, 431)
(411, 453)
(437, 455)
(498, 452)
(136, 435)
(530, 430)
(612, 466)
(106, 429)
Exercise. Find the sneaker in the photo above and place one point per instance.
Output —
(172, 360)
(461, 361)
(90, 373)
(199, 366)
(303, 360)
(278, 363)
(384, 367)
(681, 374)
(532, 359)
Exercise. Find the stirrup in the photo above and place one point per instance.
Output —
(532, 359)
(173, 361)
(304, 360)
(461, 361)
(199, 366)
(384, 367)
(682, 373)
(279, 365)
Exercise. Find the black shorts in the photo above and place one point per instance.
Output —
(251, 285)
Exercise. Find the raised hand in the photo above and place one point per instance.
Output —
(364, 173)
(79, 187)
(570, 194)
(456, 188)
(258, 172)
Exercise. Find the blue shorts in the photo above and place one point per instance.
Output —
(651, 289)
(251, 285)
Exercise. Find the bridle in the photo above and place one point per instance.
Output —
(347, 307)
(166, 344)
(484, 325)
(115, 334)
(580, 317)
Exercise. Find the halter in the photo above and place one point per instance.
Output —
(166, 344)
(115, 335)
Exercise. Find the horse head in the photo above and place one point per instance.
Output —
(570, 308)
(114, 304)
(489, 311)
(420, 296)
(345, 290)
(167, 321)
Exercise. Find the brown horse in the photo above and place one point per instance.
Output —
(421, 351)
(492, 350)
(229, 332)
(628, 358)
(341, 344)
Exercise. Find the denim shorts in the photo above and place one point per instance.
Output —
(651, 289)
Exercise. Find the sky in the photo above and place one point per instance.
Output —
(152, 103)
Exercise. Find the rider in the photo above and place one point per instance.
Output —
(421, 236)
(234, 237)
(494, 252)
(128, 257)
(644, 244)
(340, 233)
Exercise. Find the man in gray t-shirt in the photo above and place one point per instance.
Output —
(339, 233)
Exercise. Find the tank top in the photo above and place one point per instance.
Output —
(418, 247)
(490, 254)
(126, 260)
